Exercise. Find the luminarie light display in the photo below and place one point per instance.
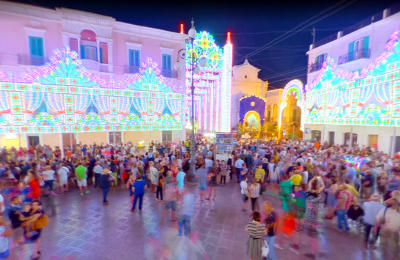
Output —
(212, 83)
(63, 96)
(369, 98)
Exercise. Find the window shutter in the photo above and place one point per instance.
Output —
(103, 53)
(82, 51)
(39, 44)
(32, 46)
(73, 44)
(130, 56)
(366, 46)
(137, 58)
(163, 62)
(351, 51)
(169, 62)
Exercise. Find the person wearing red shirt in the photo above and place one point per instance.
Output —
(34, 185)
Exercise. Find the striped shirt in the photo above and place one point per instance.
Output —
(256, 230)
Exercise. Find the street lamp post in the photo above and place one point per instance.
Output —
(192, 35)
(195, 62)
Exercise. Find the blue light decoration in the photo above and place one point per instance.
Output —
(369, 98)
(63, 97)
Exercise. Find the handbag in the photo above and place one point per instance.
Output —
(265, 249)
(40, 223)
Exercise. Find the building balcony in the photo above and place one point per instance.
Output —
(26, 59)
(169, 73)
(315, 67)
(360, 54)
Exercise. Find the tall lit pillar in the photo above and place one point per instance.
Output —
(226, 87)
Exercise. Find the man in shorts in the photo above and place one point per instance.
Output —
(81, 178)
(170, 197)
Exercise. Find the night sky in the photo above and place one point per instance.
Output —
(253, 24)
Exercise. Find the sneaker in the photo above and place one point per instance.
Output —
(132, 210)
(278, 246)
(81, 194)
(87, 192)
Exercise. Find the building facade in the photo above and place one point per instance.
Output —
(69, 76)
(245, 82)
(353, 84)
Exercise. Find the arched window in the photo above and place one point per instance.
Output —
(88, 45)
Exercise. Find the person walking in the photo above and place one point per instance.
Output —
(254, 191)
(271, 223)
(202, 177)
(5, 233)
(212, 184)
(153, 176)
(81, 177)
(139, 186)
(238, 168)
(371, 209)
(224, 171)
(160, 186)
(105, 184)
(343, 204)
(314, 193)
(256, 232)
(186, 211)
(170, 197)
(98, 169)
(244, 190)
(63, 177)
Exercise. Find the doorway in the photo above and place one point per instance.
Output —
(115, 138)
(69, 140)
(347, 138)
(331, 138)
(373, 141)
(33, 140)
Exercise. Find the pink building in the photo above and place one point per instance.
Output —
(110, 54)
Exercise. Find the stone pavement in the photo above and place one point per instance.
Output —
(85, 229)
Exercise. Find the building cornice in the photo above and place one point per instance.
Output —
(26, 9)
(85, 17)
(144, 31)
(29, 10)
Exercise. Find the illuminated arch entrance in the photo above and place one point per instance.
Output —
(294, 87)
(252, 122)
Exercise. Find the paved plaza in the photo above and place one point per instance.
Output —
(85, 229)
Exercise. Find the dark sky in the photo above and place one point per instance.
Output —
(253, 24)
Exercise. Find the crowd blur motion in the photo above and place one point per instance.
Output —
(356, 189)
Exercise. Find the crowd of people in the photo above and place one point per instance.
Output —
(315, 185)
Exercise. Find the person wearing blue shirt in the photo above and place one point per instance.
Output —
(180, 179)
(351, 173)
(139, 187)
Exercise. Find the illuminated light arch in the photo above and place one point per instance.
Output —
(212, 82)
(293, 86)
(55, 98)
(255, 114)
(367, 98)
